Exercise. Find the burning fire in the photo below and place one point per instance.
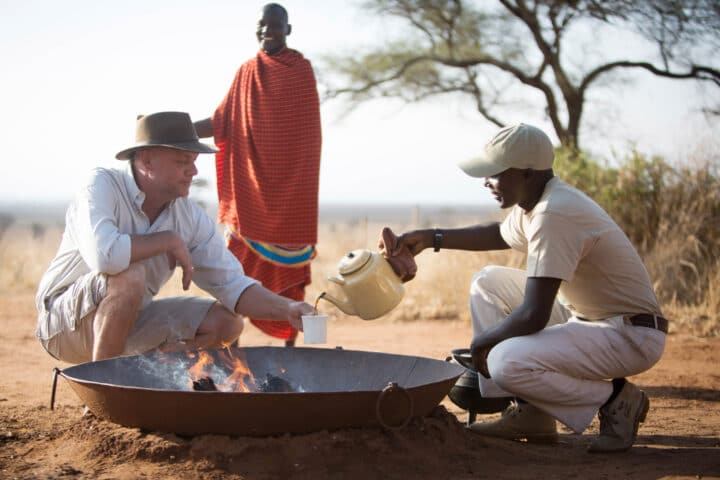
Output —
(240, 380)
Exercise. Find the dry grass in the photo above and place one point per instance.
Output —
(680, 242)
(439, 292)
(25, 253)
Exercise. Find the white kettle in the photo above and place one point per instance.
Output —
(370, 286)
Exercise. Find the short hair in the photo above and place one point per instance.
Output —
(277, 6)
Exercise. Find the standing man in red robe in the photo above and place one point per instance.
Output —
(268, 130)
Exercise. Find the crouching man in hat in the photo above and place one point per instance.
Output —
(125, 232)
(561, 336)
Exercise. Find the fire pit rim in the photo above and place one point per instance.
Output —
(252, 414)
(218, 392)
(64, 374)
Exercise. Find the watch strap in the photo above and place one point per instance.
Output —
(437, 240)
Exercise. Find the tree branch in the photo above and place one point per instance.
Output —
(477, 93)
(697, 72)
(475, 36)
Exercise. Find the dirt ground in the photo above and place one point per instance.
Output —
(680, 439)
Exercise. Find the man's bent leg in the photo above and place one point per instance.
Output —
(170, 324)
(116, 314)
(564, 369)
(65, 327)
(495, 292)
(219, 328)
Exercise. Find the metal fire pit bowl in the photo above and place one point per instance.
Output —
(331, 389)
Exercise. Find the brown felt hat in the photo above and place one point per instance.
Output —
(165, 129)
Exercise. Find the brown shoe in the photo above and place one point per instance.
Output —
(619, 421)
(520, 421)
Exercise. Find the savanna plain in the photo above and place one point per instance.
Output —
(680, 438)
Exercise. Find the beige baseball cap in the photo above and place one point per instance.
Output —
(516, 146)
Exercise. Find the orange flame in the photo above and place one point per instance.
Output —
(241, 377)
(239, 380)
(197, 371)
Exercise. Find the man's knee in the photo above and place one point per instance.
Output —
(231, 328)
(486, 278)
(495, 291)
(224, 326)
(504, 366)
(129, 283)
(487, 306)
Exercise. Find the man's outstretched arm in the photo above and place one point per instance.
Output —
(257, 301)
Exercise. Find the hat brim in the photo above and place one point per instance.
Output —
(196, 147)
(480, 167)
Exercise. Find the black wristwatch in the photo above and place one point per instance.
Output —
(437, 240)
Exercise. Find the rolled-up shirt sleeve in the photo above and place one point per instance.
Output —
(92, 223)
(216, 270)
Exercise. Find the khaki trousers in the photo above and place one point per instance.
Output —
(65, 326)
(566, 368)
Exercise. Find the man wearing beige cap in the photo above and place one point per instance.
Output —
(561, 336)
(125, 232)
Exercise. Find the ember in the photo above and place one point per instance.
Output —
(204, 384)
(274, 384)
(231, 374)
(271, 384)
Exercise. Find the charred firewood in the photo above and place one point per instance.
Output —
(274, 384)
(204, 384)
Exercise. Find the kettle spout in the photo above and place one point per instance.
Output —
(343, 305)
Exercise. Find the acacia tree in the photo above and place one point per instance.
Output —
(472, 47)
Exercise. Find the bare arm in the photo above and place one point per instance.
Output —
(400, 250)
(259, 302)
(475, 238)
(204, 127)
(530, 317)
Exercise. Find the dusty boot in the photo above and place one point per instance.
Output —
(620, 419)
(518, 421)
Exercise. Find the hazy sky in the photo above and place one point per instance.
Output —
(75, 74)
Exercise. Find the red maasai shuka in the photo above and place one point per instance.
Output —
(286, 281)
(269, 134)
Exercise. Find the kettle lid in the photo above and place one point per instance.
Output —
(353, 261)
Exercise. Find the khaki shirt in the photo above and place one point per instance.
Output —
(568, 236)
(98, 226)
